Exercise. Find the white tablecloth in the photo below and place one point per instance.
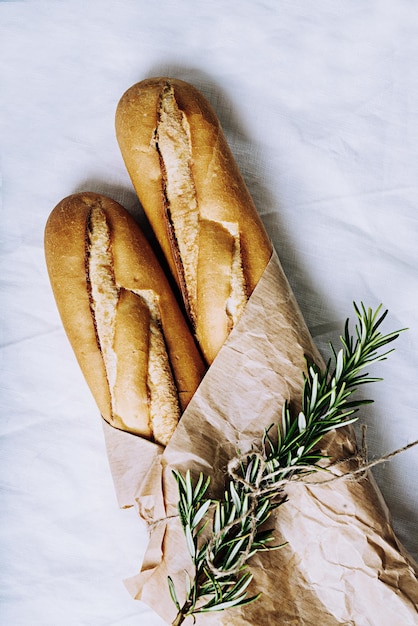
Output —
(319, 102)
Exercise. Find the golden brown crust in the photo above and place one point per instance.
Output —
(130, 396)
(136, 273)
(146, 120)
(214, 269)
(65, 252)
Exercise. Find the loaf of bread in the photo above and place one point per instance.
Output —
(196, 200)
(127, 330)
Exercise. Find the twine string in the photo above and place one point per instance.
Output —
(264, 485)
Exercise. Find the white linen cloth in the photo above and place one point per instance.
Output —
(319, 103)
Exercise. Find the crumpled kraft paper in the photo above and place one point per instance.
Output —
(342, 563)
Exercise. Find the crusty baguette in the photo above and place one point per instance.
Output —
(196, 201)
(126, 328)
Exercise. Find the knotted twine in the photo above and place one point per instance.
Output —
(262, 488)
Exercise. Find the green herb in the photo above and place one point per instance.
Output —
(223, 534)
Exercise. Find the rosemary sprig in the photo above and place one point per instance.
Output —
(255, 485)
(221, 576)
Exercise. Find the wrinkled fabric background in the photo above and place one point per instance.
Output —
(319, 103)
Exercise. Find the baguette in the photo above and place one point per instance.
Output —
(128, 333)
(196, 201)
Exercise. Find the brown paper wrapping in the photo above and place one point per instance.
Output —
(342, 563)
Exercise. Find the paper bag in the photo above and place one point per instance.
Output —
(341, 563)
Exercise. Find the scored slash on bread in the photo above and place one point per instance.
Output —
(196, 201)
(128, 326)
(210, 265)
(125, 326)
